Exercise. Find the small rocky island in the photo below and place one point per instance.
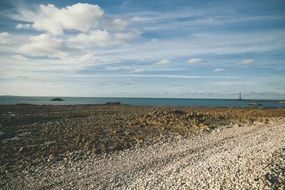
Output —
(56, 99)
(113, 103)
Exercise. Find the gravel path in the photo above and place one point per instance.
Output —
(229, 158)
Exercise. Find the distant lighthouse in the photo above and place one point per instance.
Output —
(239, 97)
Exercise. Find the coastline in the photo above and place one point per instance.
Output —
(40, 136)
(196, 102)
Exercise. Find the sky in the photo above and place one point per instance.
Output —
(134, 48)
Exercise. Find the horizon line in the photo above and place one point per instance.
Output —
(125, 97)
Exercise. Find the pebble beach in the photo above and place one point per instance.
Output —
(141, 147)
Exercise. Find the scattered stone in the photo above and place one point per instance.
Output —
(210, 161)
(153, 140)
(47, 143)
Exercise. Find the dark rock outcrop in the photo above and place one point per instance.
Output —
(113, 103)
(57, 99)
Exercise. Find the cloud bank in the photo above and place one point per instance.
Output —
(45, 45)
(153, 48)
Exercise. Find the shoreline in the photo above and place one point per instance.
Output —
(194, 102)
(141, 105)
(123, 97)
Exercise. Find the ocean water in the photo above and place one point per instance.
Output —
(137, 101)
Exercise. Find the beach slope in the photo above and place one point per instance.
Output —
(232, 156)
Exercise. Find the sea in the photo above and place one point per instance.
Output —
(140, 101)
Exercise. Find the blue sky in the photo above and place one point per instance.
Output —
(132, 48)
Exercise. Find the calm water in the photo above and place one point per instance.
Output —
(138, 101)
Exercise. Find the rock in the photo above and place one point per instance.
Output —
(113, 103)
(56, 99)
(50, 158)
(21, 149)
(47, 143)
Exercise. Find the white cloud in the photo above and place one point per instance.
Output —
(119, 23)
(231, 83)
(23, 26)
(19, 57)
(226, 44)
(125, 37)
(154, 40)
(4, 37)
(138, 19)
(194, 61)
(81, 17)
(138, 70)
(98, 36)
(248, 61)
(104, 38)
(88, 57)
(163, 62)
(219, 69)
(45, 45)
